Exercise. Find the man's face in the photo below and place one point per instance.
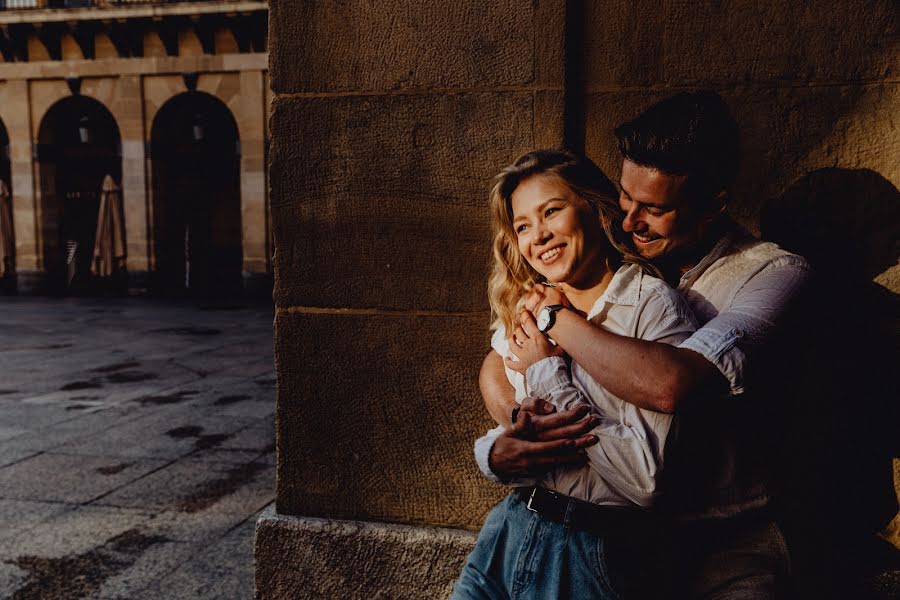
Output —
(661, 220)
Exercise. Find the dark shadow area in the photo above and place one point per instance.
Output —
(8, 283)
(840, 383)
(78, 145)
(196, 198)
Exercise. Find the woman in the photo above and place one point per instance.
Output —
(553, 216)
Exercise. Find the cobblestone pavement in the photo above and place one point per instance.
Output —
(136, 447)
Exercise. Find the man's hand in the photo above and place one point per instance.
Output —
(540, 442)
(529, 345)
(544, 295)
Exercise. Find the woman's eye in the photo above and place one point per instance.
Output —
(521, 228)
(550, 211)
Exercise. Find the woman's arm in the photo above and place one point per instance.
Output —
(499, 396)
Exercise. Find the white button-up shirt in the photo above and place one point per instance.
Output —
(624, 467)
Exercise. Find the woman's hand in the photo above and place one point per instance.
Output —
(544, 295)
(529, 345)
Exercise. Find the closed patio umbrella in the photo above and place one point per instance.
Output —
(7, 235)
(109, 247)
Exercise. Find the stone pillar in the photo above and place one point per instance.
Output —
(388, 123)
(250, 113)
(15, 110)
(128, 110)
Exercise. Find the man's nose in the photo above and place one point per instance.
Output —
(630, 221)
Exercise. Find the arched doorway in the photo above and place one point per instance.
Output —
(78, 146)
(196, 197)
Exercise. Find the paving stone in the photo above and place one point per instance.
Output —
(193, 486)
(11, 579)
(68, 478)
(222, 570)
(76, 531)
(170, 433)
(154, 564)
(19, 515)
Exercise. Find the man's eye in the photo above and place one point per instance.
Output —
(655, 212)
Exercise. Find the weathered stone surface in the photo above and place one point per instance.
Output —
(679, 43)
(737, 42)
(623, 43)
(382, 202)
(353, 46)
(314, 558)
(383, 409)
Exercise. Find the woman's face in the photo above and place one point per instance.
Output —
(558, 233)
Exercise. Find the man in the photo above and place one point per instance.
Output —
(679, 158)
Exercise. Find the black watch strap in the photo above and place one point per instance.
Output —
(515, 415)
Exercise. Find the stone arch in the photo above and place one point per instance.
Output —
(78, 145)
(195, 155)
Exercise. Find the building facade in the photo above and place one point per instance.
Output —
(168, 99)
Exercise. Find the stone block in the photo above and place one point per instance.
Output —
(314, 558)
(361, 46)
(623, 43)
(377, 414)
(382, 202)
(723, 43)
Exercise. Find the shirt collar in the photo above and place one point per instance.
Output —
(624, 289)
(721, 248)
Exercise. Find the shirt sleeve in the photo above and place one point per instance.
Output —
(483, 447)
(551, 380)
(747, 324)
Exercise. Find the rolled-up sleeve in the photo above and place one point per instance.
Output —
(747, 324)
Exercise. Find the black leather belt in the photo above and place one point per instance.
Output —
(585, 516)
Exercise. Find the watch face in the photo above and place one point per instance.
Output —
(543, 320)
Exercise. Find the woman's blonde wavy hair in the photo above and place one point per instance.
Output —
(511, 276)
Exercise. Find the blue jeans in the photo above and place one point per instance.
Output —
(522, 555)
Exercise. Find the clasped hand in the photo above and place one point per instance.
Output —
(527, 343)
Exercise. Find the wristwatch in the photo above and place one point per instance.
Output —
(547, 317)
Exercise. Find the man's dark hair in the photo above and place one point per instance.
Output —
(692, 134)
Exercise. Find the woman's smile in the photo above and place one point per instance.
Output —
(549, 256)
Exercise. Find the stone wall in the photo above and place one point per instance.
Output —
(388, 121)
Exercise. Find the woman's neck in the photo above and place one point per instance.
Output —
(584, 296)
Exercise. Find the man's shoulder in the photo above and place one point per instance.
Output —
(743, 253)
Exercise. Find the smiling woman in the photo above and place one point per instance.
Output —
(554, 217)
(526, 202)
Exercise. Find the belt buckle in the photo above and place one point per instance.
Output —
(531, 499)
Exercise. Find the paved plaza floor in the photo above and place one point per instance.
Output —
(136, 447)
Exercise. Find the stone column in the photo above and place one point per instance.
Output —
(250, 113)
(388, 123)
(128, 110)
(16, 115)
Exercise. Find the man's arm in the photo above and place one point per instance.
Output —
(651, 375)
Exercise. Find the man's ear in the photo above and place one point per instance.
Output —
(717, 206)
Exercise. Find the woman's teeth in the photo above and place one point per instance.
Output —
(550, 253)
